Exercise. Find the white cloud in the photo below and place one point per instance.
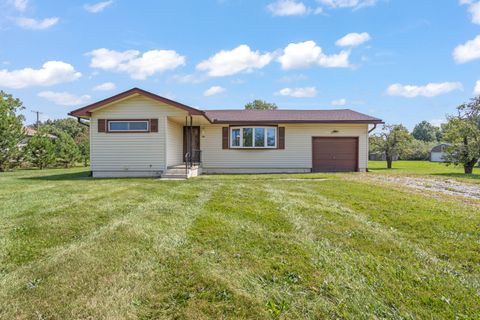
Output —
(355, 4)
(52, 72)
(339, 102)
(284, 8)
(473, 8)
(20, 5)
(107, 86)
(306, 54)
(213, 91)
(353, 39)
(64, 98)
(429, 90)
(438, 122)
(477, 88)
(240, 59)
(139, 67)
(189, 78)
(468, 51)
(97, 7)
(34, 24)
(307, 92)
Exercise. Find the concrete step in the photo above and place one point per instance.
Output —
(174, 176)
(175, 171)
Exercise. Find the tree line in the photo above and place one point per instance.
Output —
(461, 133)
(56, 143)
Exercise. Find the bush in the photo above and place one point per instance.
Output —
(417, 150)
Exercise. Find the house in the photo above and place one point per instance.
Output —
(29, 133)
(138, 133)
(437, 153)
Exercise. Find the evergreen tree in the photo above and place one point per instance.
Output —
(11, 130)
(40, 151)
(66, 150)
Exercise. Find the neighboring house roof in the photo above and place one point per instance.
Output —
(289, 116)
(440, 147)
(242, 116)
(30, 132)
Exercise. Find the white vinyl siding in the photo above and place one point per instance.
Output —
(130, 152)
(174, 143)
(296, 155)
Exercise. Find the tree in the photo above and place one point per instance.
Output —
(11, 130)
(83, 144)
(66, 150)
(68, 125)
(260, 105)
(463, 133)
(40, 150)
(425, 131)
(392, 141)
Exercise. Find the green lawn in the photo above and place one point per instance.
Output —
(425, 168)
(245, 246)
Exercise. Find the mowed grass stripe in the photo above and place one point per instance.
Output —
(102, 274)
(387, 262)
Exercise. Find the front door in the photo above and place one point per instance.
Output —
(195, 140)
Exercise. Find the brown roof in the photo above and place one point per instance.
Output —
(289, 116)
(85, 111)
(243, 116)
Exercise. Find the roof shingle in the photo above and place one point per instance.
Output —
(289, 116)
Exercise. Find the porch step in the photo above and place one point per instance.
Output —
(174, 176)
(179, 172)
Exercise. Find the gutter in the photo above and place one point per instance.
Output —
(374, 127)
(83, 123)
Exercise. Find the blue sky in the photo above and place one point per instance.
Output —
(401, 60)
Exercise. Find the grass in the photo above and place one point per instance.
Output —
(425, 168)
(245, 246)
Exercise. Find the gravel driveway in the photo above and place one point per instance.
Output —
(451, 187)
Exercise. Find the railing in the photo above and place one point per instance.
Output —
(190, 159)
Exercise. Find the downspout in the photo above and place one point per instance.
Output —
(368, 147)
(87, 125)
(83, 123)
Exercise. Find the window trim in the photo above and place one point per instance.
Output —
(265, 146)
(109, 130)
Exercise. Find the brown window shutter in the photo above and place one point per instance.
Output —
(153, 125)
(281, 137)
(102, 125)
(225, 142)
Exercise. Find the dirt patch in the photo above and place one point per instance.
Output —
(451, 187)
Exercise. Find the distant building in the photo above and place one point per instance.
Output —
(438, 153)
(29, 133)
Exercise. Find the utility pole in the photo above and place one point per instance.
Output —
(38, 118)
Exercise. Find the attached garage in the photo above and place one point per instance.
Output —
(334, 154)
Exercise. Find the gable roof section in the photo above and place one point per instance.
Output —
(289, 116)
(86, 111)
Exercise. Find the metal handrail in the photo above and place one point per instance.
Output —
(187, 157)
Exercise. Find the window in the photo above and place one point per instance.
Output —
(126, 126)
(253, 137)
(236, 138)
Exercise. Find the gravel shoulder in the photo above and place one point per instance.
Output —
(439, 186)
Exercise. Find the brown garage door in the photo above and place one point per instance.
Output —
(335, 154)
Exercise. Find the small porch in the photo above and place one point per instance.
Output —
(190, 164)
